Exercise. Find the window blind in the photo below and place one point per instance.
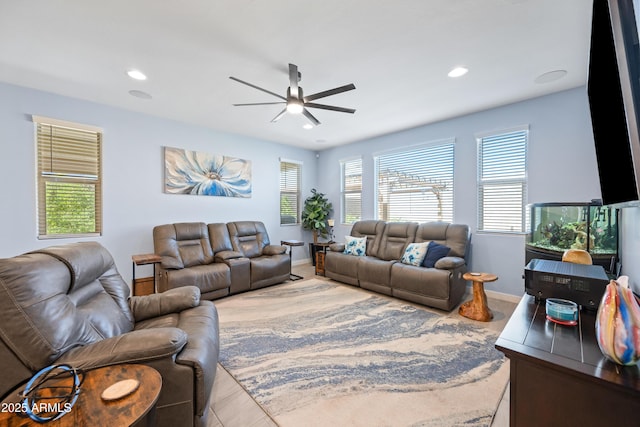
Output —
(69, 181)
(502, 181)
(351, 190)
(289, 193)
(416, 185)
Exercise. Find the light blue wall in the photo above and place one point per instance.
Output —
(133, 175)
(562, 168)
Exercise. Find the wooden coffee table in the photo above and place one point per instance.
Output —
(477, 308)
(90, 410)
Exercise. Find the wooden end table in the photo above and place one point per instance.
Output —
(320, 250)
(141, 286)
(477, 308)
(90, 410)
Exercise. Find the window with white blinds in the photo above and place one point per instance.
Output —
(417, 184)
(351, 171)
(502, 181)
(69, 179)
(289, 192)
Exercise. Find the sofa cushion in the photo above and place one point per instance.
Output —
(372, 230)
(430, 282)
(456, 236)
(355, 245)
(248, 237)
(414, 253)
(435, 251)
(208, 278)
(182, 244)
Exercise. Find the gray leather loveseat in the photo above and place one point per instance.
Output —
(69, 305)
(220, 259)
(381, 270)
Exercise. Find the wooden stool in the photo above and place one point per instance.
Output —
(477, 308)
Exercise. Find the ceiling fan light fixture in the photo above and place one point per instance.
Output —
(296, 102)
(294, 106)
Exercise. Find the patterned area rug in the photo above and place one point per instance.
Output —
(317, 353)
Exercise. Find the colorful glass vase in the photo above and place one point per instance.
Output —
(618, 323)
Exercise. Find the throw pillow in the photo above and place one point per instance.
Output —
(355, 245)
(415, 253)
(434, 253)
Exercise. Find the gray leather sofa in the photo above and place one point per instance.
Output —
(69, 305)
(380, 269)
(220, 259)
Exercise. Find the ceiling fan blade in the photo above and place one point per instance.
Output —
(329, 92)
(259, 88)
(293, 80)
(329, 107)
(259, 103)
(279, 116)
(309, 116)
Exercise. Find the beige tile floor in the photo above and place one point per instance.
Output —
(233, 407)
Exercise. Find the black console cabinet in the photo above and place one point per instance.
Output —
(559, 377)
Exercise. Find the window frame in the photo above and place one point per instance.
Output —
(297, 165)
(481, 184)
(67, 156)
(410, 152)
(345, 193)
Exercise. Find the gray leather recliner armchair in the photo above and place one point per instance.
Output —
(68, 304)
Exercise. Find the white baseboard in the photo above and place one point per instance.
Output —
(504, 297)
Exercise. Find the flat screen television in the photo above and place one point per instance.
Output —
(613, 89)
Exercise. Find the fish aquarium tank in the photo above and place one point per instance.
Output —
(553, 228)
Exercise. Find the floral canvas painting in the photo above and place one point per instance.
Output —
(204, 174)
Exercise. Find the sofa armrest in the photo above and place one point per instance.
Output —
(449, 263)
(273, 250)
(202, 351)
(171, 301)
(133, 347)
(225, 255)
(336, 247)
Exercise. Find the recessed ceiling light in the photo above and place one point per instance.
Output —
(137, 75)
(140, 94)
(551, 76)
(307, 126)
(458, 71)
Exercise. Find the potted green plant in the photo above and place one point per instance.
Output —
(316, 212)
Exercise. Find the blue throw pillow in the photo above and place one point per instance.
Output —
(434, 253)
(415, 253)
(355, 246)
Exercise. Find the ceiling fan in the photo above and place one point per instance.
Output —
(296, 102)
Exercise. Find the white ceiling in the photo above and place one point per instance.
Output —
(397, 53)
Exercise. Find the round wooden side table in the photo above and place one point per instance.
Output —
(477, 308)
(90, 409)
